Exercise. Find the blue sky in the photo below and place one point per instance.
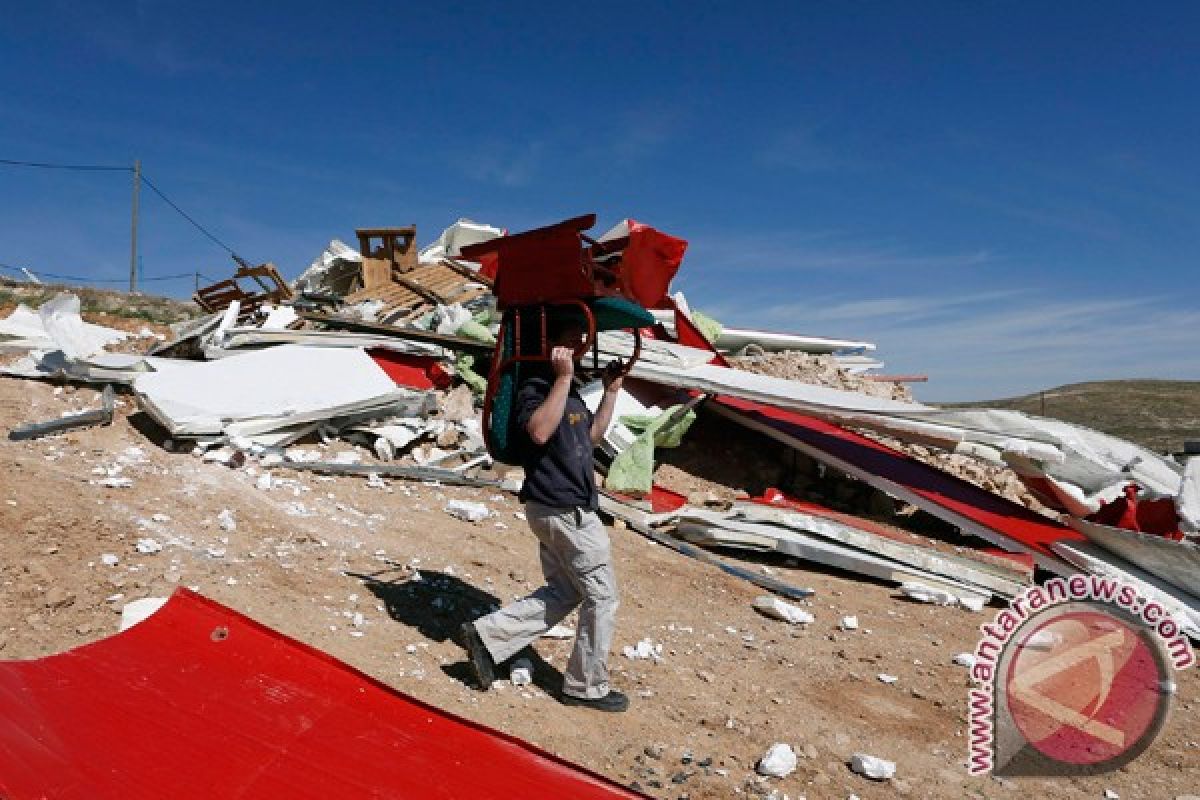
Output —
(1004, 196)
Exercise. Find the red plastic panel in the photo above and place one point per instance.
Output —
(663, 500)
(409, 370)
(649, 262)
(199, 701)
(1159, 517)
(940, 489)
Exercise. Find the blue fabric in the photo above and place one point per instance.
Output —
(560, 473)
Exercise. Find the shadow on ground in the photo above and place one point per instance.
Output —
(437, 605)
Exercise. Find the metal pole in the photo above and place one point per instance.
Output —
(137, 185)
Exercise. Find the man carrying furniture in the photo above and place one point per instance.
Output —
(560, 500)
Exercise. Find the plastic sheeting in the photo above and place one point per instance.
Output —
(452, 240)
(198, 701)
(334, 270)
(632, 471)
(57, 325)
(649, 260)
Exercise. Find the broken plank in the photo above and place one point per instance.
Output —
(634, 522)
(86, 419)
(444, 476)
(416, 334)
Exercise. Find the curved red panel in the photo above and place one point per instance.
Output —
(199, 701)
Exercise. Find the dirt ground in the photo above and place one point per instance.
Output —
(309, 553)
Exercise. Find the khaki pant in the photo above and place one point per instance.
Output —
(577, 562)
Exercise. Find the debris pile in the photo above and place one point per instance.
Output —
(819, 369)
(365, 346)
(792, 452)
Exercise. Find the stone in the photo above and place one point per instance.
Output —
(148, 546)
(877, 769)
(58, 597)
(466, 510)
(775, 608)
(778, 762)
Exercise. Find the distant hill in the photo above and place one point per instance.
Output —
(1159, 415)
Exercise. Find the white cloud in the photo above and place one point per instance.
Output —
(833, 251)
(987, 345)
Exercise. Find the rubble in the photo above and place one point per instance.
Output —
(644, 650)
(465, 509)
(148, 545)
(521, 672)
(778, 762)
(818, 370)
(56, 325)
(743, 529)
(778, 609)
(877, 769)
(267, 395)
(965, 660)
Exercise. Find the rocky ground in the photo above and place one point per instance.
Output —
(333, 562)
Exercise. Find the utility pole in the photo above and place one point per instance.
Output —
(133, 254)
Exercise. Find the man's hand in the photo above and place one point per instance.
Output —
(562, 360)
(613, 375)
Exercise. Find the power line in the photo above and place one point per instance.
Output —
(144, 179)
(39, 273)
(195, 224)
(77, 167)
